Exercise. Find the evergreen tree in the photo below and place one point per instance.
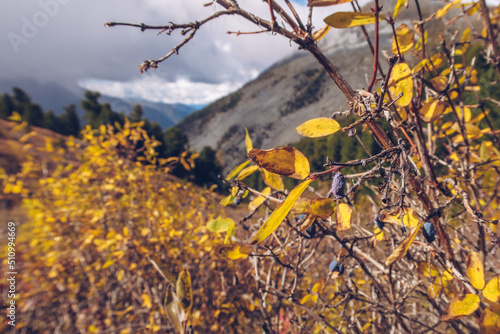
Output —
(70, 123)
(206, 167)
(175, 142)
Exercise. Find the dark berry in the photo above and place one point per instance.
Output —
(311, 230)
(237, 200)
(338, 184)
(341, 269)
(333, 265)
(378, 222)
(429, 232)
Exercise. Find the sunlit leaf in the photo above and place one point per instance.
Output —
(146, 301)
(475, 270)
(490, 320)
(442, 12)
(426, 270)
(15, 117)
(227, 200)
(405, 38)
(236, 252)
(436, 60)
(322, 207)
(432, 110)
(318, 127)
(322, 3)
(286, 161)
(420, 66)
(344, 217)
(403, 247)
(492, 290)
(279, 213)
(220, 225)
(439, 83)
(317, 35)
(433, 291)
(237, 169)
(342, 20)
(447, 282)
(401, 81)
(248, 141)
(184, 290)
(259, 199)
(410, 218)
(302, 205)
(460, 307)
(272, 180)
(379, 234)
(398, 7)
(247, 172)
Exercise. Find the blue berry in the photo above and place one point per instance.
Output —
(378, 222)
(311, 230)
(338, 184)
(341, 269)
(429, 232)
(237, 200)
(333, 265)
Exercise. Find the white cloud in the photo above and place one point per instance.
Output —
(154, 88)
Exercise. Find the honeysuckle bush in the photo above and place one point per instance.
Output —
(413, 232)
(113, 244)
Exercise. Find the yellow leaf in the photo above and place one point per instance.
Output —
(15, 117)
(344, 216)
(475, 270)
(447, 282)
(490, 320)
(426, 270)
(248, 141)
(379, 234)
(323, 3)
(442, 12)
(405, 38)
(184, 290)
(236, 252)
(259, 200)
(439, 83)
(410, 218)
(227, 200)
(145, 231)
(492, 290)
(246, 172)
(286, 161)
(432, 110)
(318, 127)
(272, 180)
(433, 291)
(436, 60)
(174, 311)
(342, 20)
(420, 66)
(220, 225)
(237, 169)
(460, 307)
(321, 33)
(401, 81)
(401, 250)
(322, 207)
(399, 6)
(302, 205)
(279, 213)
(20, 126)
(146, 301)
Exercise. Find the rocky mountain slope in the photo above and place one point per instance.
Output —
(290, 92)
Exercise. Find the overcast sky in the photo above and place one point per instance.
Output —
(65, 42)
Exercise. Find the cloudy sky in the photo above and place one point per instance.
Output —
(65, 42)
